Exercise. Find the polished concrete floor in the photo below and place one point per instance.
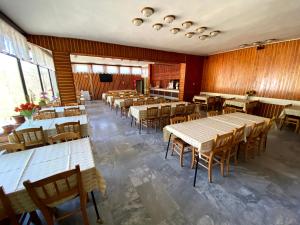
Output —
(143, 188)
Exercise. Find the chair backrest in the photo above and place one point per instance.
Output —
(180, 109)
(194, 116)
(64, 137)
(150, 101)
(30, 137)
(68, 127)
(152, 112)
(211, 100)
(228, 110)
(223, 142)
(165, 111)
(71, 104)
(74, 111)
(128, 103)
(46, 114)
(12, 147)
(138, 102)
(62, 186)
(238, 135)
(6, 211)
(257, 129)
(177, 119)
(212, 113)
(190, 109)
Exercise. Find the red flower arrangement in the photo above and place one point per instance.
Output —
(27, 109)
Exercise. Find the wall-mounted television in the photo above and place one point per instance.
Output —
(105, 77)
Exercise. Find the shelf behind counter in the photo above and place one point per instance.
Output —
(165, 92)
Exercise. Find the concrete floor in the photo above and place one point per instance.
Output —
(143, 188)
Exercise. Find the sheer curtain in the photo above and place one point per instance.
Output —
(12, 42)
(41, 57)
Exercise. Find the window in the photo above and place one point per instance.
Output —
(98, 68)
(80, 68)
(136, 70)
(112, 69)
(124, 70)
(11, 89)
(54, 83)
(46, 82)
(32, 81)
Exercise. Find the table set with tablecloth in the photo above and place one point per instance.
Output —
(60, 110)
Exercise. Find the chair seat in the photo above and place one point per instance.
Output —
(180, 142)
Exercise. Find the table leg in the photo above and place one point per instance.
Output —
(99, 220)
(196, 169)
(168, 146)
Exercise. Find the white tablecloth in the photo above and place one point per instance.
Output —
(140, 112)
(202, 98)
(39, 163)
(291, 111)
(202, 132)
(60, 110)
(242, 103)
(49, 125)
(119, 102)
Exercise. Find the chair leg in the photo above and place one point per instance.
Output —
(228, 162)
(210, 162)
(181, 156)
(222, 164)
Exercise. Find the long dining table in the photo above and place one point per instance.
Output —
(60, 110)
(42, 162)
(49, 128)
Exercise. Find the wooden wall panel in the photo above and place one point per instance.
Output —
(273, 72)
(91, 82)
(161, 74)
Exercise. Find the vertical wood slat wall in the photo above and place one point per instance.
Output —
(163, 73)
(63, 47)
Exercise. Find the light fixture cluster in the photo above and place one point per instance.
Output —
(258, 43)
(148, 11)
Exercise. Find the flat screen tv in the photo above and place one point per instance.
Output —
(104, 77)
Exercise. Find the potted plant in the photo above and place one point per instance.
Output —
(250, 93)
(27, 109)
(44, 100)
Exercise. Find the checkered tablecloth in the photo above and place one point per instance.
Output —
(291, 111)
(49, 125)
(60, 110)
(202, 132)
(39, 163)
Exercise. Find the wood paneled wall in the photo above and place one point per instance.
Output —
(63, 47)
(91, 82)
(273, 72)
(161, 74)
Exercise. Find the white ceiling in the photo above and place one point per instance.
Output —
(107, 61)
(241, 21)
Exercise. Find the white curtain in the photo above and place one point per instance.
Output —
(12, 42)
(41, 56)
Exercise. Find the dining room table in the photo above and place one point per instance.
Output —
(293, 110)
(201, 98)
(60, 110)
(49, 128)
(244, 104)
(42, 162)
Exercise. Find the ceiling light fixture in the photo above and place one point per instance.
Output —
(175, 30)
(201, 30)
(157, 26)
(203, 37)
(189, 34)
(214, 33)
(169, 18)
(137, 21)
(257, 43)
(187, 24)
(244, 45)
(147, 11)
(270, 41)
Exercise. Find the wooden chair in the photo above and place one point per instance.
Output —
(7, 211)
(216, 156)
(194, 116)
(253, 141)
(30, 137)
(218, 103)
(289, 119)
(46, 193)
(126, 106)
(64, 137)
(190, 109)
(165, 114)
(46, 114)
(228, 110)
(264, 135)
(151, 118)
(139, 101)
(212, 113)
(74, 111)
(179, 110)
(68, 127)
(210, 104)
(150, 101)
(71, 104)
(12, 147)
(238, 138)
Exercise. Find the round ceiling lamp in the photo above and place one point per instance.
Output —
(169, 18)
(214, 33)
(137, 21)
(175, 30)
(189, 34)
(257, 43)
(203, 37)
(244, 45)
(187, 24)
(157, 26)
(270, 41)
(147, 11)
(201, 29)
